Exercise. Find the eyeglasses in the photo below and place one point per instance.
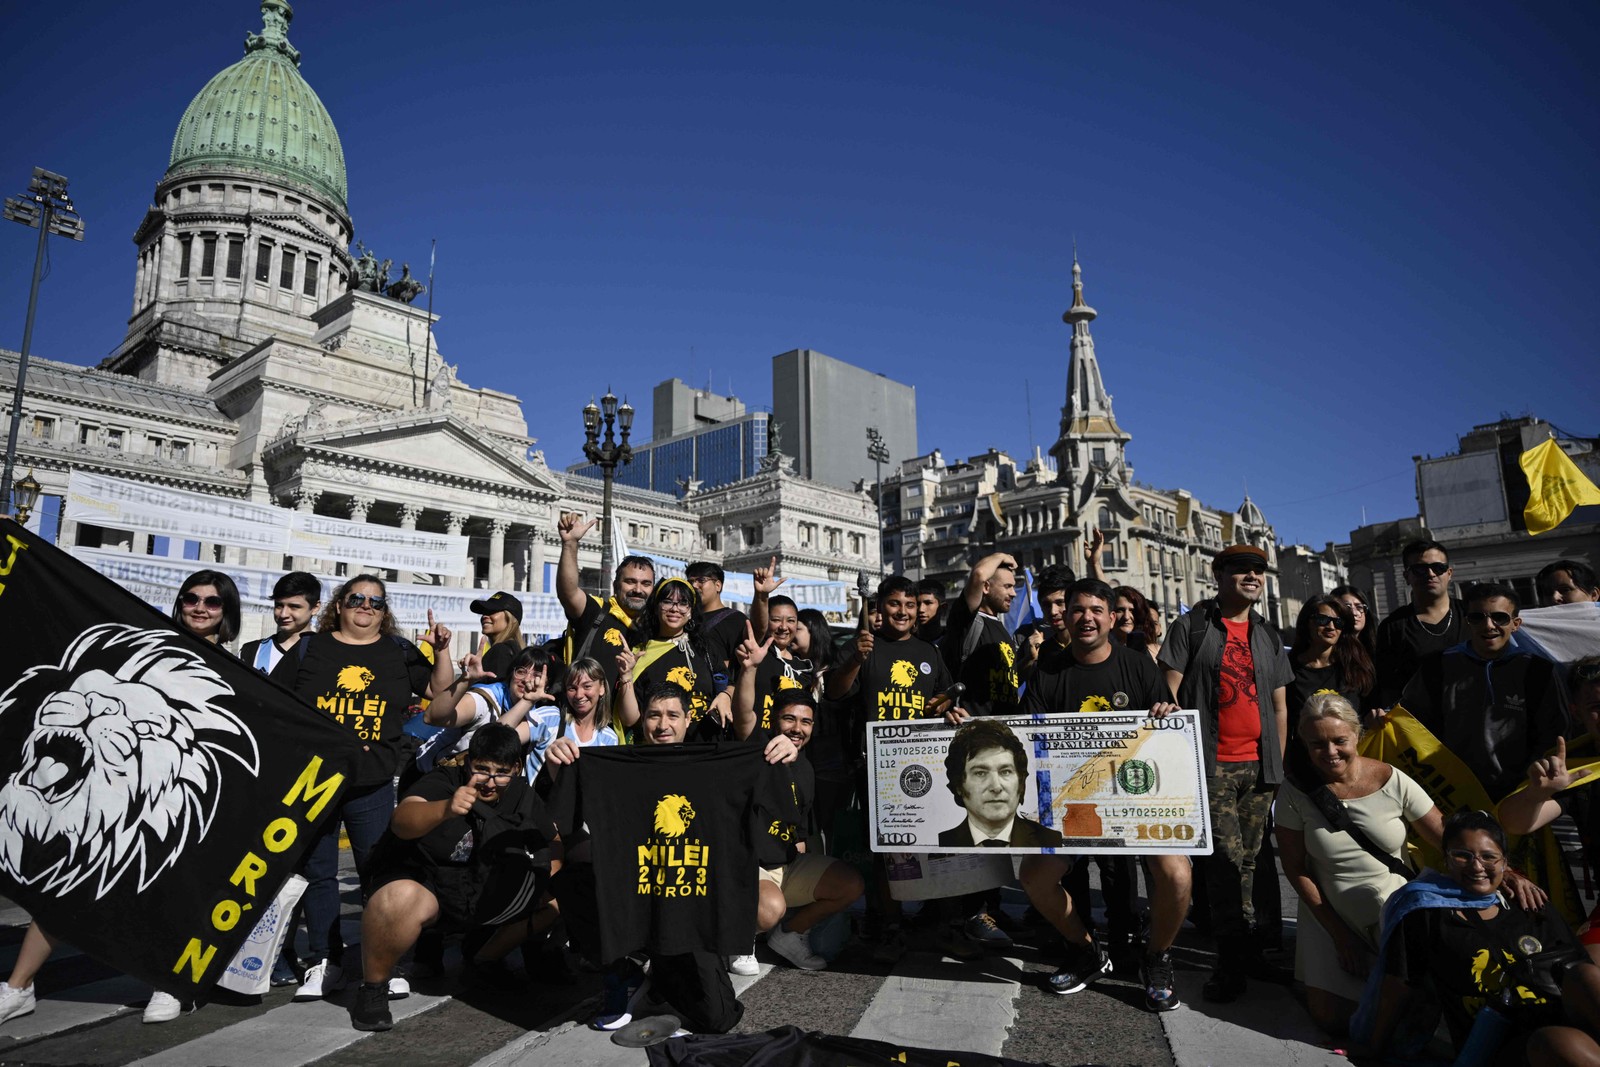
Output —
(674, 602)
(498, 777)
(1423, 570)
(1477, 618)
(1465, 857)
(701, 580)
(189, 600)
(357, 600)
(1356, 607)
(1324, 621)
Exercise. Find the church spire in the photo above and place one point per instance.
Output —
(1090, 436)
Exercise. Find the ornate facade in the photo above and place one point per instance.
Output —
(263, 361)
(939, 517)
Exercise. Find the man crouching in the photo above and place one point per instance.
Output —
(468, 847)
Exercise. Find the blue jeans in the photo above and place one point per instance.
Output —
(365, 817)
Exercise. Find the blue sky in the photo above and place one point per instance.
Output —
(1321, 238)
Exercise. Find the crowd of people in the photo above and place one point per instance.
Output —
(1402, 910)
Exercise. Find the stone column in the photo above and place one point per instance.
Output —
(453, 523)
(305, 501)
(409, 514)
(359, 506)
(497, 552)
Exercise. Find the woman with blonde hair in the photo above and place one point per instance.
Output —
(582, 713)
(1341, 831)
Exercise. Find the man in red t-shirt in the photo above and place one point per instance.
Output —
(1226, 661)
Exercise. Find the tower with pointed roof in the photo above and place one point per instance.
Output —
(1092, 449)
(249, 231)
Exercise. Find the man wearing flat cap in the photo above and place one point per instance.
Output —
(1225, 660)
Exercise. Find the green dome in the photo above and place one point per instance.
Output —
(261, 115)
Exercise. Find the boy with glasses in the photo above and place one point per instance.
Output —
(1494, 704)
(1432, 621)
(468, 847)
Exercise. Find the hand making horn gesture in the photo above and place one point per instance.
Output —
(571, 526)
(1550, 774)
(765, 579)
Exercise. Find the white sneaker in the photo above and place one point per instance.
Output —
(796, 948)
(15, 1002)
(163, 1008)
(745, 965)
(399, 987)
(321, 977)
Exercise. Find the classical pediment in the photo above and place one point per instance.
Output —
(432, 445)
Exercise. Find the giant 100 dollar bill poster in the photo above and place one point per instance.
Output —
(1072, 783)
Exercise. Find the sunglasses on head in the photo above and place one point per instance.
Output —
(1499, 618)
(189, 600)
(1422, 570)
(1325, 621)
(357, 600)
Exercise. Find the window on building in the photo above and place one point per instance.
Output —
(1105, 517)
(286, 271)
(208, 257)
(835, 539)
(114, 439)
(235, 256)
(154, 445)
(1099, 455)
(633, 531)
(264, 261)
(44, 427)
(313, 272)
(88, 435)
(714, 541)
(180, 451)
(808, 534)
(184, 247)
(751, 534)
(858, 544)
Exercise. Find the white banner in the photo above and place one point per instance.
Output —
(148, 508)
(157, 579)
(389, 547)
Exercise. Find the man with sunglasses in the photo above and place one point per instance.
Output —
(469, 847)
(1432, 621)
(1493, 703)
(1226, 661)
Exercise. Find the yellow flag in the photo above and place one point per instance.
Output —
(1555, 487)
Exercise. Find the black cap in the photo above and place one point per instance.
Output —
(499, 602)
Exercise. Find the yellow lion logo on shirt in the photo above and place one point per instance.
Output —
(786, 682)
(682, 676)
(612, 636)
(902, 672)
(354, 679)
(673, 815)
(1092, 704)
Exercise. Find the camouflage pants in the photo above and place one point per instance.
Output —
(1239, 810)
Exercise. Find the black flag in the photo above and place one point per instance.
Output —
(154, 791)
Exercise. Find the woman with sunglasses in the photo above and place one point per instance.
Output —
(1512, 983)
(1366, 622)
(207, 605)
(1326, 655)
(1341, 885)
(360, 670)
(666, 644)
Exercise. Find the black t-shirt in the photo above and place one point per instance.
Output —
(608, 631)
(695, 673)
(367, 688)
(459, 840)
(497, 660)
(779, 832)
(1124, 681)
(773, 675)
(1471, 961)
(899, 679)
(1403, 640)
(990, 672)
(672, 830)
(723, 630)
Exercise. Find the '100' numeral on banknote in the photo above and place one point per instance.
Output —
(1072, 783)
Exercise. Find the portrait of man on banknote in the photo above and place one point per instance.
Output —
(987, 771)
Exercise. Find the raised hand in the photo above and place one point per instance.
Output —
(462, 799)
(625, 661)
(863, 643)
(1092, 547)
(751, 652)
(472, 669)
(438, 636)
(764, 577)
(571, 527)
(1550, 774)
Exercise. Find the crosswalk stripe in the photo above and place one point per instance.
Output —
(289, 1036)
(573, 1044)
(922, 1005)
(83, 1005)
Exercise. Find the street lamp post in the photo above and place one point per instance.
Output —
(46, 206)
(878, 452)
(608, 454)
